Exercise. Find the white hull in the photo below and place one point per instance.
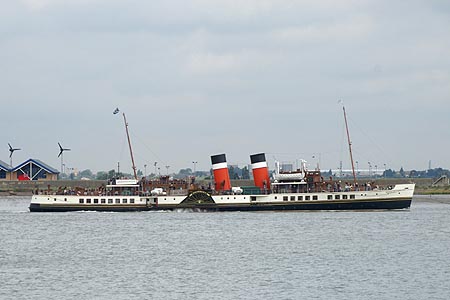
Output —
(401, 192)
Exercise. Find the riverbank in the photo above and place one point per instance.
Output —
(432, 190)
(432, 198)
(28, 188)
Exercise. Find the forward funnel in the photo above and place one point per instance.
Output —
(221, 175)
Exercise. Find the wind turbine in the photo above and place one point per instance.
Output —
(11, 150)
(61, 151)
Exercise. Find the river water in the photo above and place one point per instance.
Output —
(188, 255)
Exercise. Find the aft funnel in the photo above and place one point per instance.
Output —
(260, 171)
(221, 175)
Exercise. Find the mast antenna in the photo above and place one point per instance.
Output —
(349, 142)
(129, 145)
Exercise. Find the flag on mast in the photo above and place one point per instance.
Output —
(116, 111)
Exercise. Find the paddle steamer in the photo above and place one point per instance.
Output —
(298, 190)
(302, 190)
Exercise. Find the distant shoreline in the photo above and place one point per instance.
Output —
(27, 188)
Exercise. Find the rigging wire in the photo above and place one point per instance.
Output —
(149, 149)
(372, 141)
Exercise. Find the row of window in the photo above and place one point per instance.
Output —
(228, 198)
(315, 197)
(103, 201)
(337, 197)
(221, 198)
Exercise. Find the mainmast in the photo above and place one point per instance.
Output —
(129, 145)
(349, 145)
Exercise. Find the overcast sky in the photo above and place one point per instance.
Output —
(202, 77)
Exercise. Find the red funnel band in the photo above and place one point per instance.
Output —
(222, 179)
(261, 178)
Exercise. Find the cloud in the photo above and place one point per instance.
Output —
(342, 30)
(205, 63)
(39, 5)
(172, 64)
(232, 62)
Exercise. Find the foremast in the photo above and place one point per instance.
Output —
(349, 145)
(129, 145)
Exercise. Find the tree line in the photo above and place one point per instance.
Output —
(241, 173)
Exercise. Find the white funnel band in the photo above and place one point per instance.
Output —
(258, 165)
(220, 166)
